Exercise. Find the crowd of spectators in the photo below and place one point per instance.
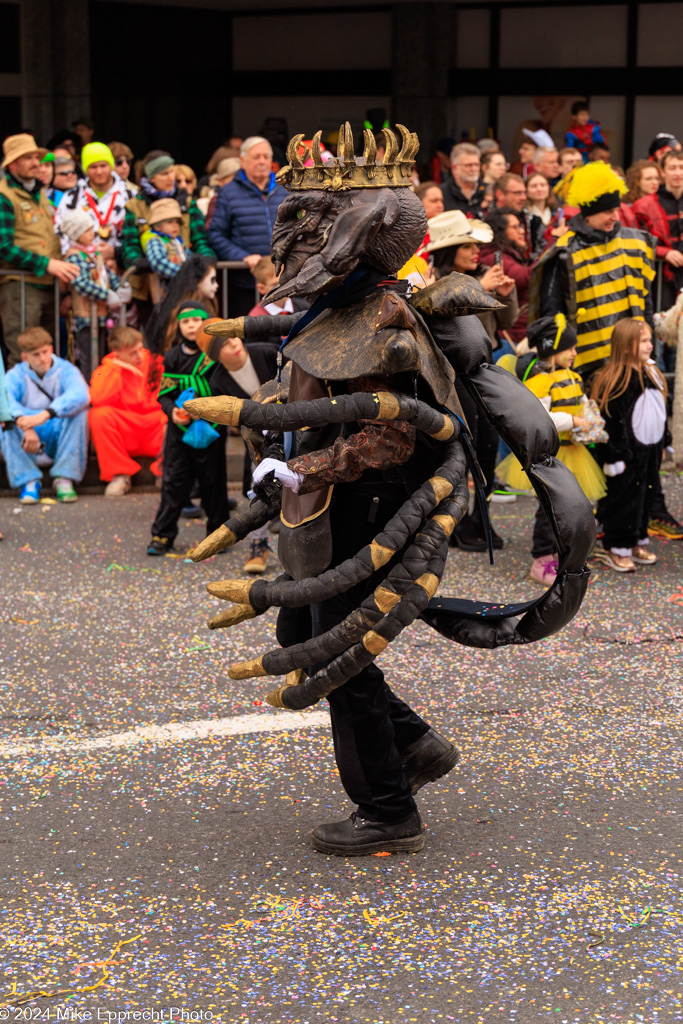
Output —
(132, 243)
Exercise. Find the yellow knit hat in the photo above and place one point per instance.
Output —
(595, 187)
(95, 153)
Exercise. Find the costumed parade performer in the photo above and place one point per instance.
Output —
(631, 391)
(560, 390)
(365, 455)
(597, 266)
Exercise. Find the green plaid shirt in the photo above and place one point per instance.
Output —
(131, 247)
(10, 253)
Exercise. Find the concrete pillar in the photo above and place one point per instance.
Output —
(55, 61)
(423, 41)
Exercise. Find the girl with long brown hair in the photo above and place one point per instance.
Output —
(631, 394)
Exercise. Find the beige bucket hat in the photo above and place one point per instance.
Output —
(164, 209)
(454, 228)
(16, 146)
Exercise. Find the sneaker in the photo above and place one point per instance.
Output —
(30, 493)
(159, 546)
(544, 570)
(503, 495)
(118, 486)
(192, 512)
(620, 563)
(665, 526)
(643, 555)
(258, 562)
(428, 759)
(357, 837)
(64, 489)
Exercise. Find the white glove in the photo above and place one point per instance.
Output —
(287, 477)
(125, 293)
(113, 300)
(614, 468)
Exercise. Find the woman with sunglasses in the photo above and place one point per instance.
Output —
(123, 164)
(64, 178)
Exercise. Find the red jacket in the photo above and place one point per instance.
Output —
(515, 268)
(651, 217)
(627, 216)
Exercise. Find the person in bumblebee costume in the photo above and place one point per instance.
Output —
(365, 456)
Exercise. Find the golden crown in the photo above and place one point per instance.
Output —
(393, 171)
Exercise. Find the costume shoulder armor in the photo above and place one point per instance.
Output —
(454, 295)
(382, 337)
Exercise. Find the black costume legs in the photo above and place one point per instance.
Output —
(370, 724)
(626, 508)
(182, 466)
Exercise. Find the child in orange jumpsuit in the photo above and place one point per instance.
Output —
(125, 418)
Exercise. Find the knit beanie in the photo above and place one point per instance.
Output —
(550, 335)
(595, 188)
(75, 223)
(158, 164)
(94, 152)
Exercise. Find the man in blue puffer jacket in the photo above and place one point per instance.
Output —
(244, 218)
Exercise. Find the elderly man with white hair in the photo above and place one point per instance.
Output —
(547, 163)
(244, 218)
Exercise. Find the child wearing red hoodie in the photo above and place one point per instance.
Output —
(125, 418)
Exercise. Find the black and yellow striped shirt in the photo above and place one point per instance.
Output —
(612, 281)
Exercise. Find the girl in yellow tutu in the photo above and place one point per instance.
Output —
(560, 390)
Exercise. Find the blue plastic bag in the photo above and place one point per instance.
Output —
(199, 434)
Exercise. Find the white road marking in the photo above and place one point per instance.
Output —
(175, 732)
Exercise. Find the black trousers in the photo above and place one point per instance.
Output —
(627, 507)
(182, 466)
(543, 539)
(370, 724)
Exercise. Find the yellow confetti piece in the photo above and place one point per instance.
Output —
(15, 999)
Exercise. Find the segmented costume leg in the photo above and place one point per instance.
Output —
(262, 594)
(352, 661)
(236, 528)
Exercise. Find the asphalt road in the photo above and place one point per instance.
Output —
(154, 814)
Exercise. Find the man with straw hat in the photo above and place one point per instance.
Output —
(27, 242)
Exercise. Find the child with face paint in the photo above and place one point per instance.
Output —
(186, 366)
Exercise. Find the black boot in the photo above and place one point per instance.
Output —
(428, 759)
(470, 535)
(357, 837)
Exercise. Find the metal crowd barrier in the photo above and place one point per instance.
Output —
(22, 275)
(224, 267)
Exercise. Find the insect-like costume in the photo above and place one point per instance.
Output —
(370, 422)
